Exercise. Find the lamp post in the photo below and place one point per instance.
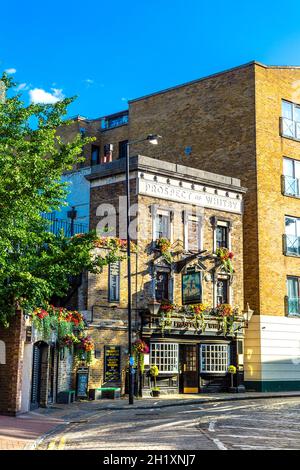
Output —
(152, 139)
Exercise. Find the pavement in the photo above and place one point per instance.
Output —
(30, 430)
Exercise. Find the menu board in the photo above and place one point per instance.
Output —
(82, 382)
(112, 363)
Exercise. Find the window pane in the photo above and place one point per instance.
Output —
(222, 236)
(290, 226)
(296, 113)
(288, 167)
(287, 110)
(193, 235)
(292, 287)
(162, 226)
(222, 291)
(114, 282)
(162, 286)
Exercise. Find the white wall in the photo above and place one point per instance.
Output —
(272, 348)
(26, 377)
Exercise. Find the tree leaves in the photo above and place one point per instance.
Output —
(34, 264)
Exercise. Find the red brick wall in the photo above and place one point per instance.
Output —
(11, 372)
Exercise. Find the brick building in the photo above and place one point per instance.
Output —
(244, 123)
(198, 212)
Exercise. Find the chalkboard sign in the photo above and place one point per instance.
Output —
(82, 382)
(112, 363)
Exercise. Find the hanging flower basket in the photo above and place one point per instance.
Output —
(225, 256)
(164, 246)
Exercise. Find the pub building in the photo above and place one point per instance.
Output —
(187, 276)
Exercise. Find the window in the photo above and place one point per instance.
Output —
(293, 297)
(222, 235)
(114, 121)
(164, 356)
(95, 155)
(123, 148)
(192, 233)
(291, 177)
(292, 235)
(214, 358)
(290, 122)
(222, 291)
(114, 282)
(82, 131)
(107, 153)
(162, 286)
(162, 227)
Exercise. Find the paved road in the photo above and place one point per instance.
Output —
(254, 424)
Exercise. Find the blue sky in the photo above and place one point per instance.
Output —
(109, 52)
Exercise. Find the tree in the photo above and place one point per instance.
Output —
(34, 263)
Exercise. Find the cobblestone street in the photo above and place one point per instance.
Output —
(238, 425)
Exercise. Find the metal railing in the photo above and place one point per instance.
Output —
(291, 245)
(69, 228)
(290, 186)
(293, 305)
(290, 128)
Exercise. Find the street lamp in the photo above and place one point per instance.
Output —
(152, 139)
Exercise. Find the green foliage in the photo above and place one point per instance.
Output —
(35, 264)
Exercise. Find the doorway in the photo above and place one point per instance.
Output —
(36, 375)
(189, 368)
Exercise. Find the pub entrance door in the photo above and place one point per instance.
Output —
(189, 368)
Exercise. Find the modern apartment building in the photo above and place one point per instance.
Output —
(244, 123)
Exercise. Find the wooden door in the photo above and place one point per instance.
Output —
(189, 368)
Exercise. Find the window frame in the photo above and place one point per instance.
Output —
(190, 217)
(221, 223)
(297, 279)
(213, 351)
(95, 147)
(165, 361)
(295, 179)
(122, 146)
(284, 120)
(156, 211)
(118, 282)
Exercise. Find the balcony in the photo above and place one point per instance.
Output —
(69, 228)
(290, 186)
(291, 245)
(293, 305)
(290, 128)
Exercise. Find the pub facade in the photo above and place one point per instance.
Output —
(187, 277)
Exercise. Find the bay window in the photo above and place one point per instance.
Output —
(164, 356)
(214, 358)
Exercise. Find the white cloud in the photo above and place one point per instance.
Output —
(124, 99)
(89, 81)
(12, 70)
(22, 87)
(38, 95)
